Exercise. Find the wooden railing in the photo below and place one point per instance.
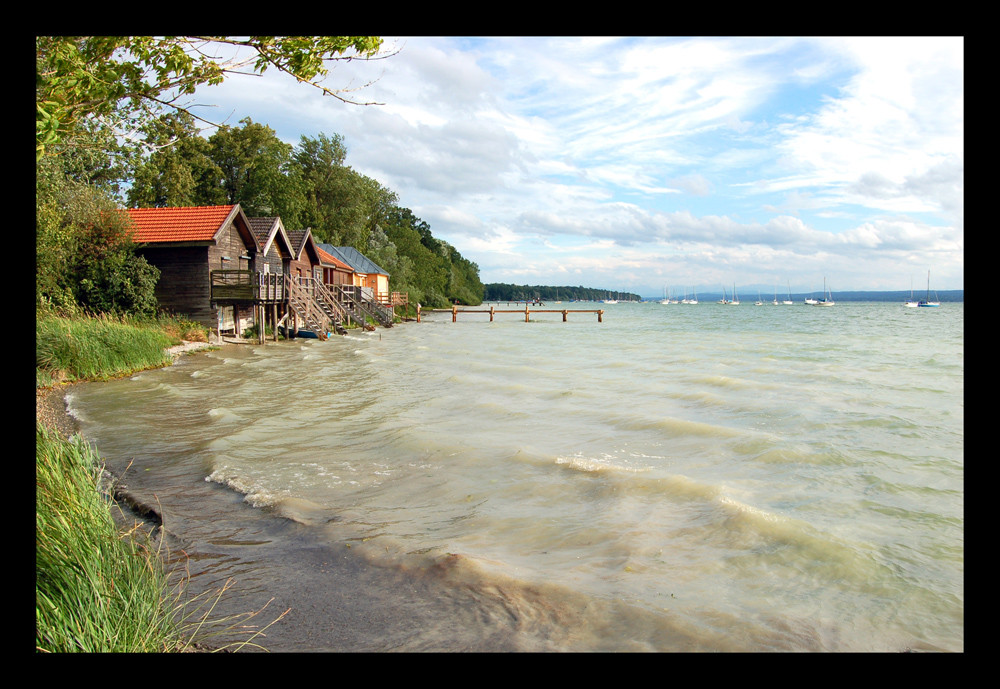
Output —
(318, 304)
(246, 285)
(357, 299)
(326, 298)
(301, 301)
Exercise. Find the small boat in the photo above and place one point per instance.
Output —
(759, 302)
(789, 300)
(927, 301)
(736, 299)
(827, 299)
(912, 303)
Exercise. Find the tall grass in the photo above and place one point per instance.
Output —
(96, 590)
(101, 347)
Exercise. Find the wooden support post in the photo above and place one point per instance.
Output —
(274, 319)
(564, 315)
(491, 314)
(454, 314)
(418, 312)
(600, 316)
(526, 312)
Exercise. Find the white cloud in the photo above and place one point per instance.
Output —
(698, 158)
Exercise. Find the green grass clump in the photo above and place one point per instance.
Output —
(96, 589)
(97, 347)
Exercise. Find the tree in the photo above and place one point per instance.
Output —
(125, 81)
(254, 165)
(83, 254)
(180, 171)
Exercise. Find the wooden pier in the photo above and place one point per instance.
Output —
(526, 311)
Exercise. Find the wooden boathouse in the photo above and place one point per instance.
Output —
(227, 271)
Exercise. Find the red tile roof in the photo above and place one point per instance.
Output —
(188, 224)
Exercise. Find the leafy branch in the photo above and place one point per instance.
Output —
(130, 78)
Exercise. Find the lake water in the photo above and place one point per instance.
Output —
(675, 478)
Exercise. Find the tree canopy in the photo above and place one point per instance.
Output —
(126, 80)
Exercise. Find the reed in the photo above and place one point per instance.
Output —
(96, 589)
(101, 347)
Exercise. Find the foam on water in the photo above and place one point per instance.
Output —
(671, 479)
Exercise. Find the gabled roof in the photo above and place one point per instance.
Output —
(268, 230)
(183, 224)
(329, 259)
(354, 258)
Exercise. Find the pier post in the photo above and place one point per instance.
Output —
(418, 312)
(564, 315)
(491, 313)
(526, 312)
(600, 316)
(454, 314)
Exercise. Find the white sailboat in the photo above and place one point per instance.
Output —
(827, 299)
(665, 300)
(691, 301)
(789, 300)
(759, 302)
(927, 301)
(912, 303)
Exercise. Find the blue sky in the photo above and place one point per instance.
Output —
(640, 163)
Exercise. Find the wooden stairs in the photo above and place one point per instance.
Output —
(313, 303)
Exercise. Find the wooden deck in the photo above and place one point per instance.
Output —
(247, 286)
(526, 311)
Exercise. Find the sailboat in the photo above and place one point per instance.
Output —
(789, 300)
(724, 300)
(927, 301)
(912, 304)
(665, 299)
(827, 299)
(736, 300)
(691, 301)
(759, 302)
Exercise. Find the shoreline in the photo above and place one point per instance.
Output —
(50, 402)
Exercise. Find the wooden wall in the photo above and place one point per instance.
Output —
(184, 286)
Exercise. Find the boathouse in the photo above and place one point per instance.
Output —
(228, 272)
(373, 280)
(187, 244)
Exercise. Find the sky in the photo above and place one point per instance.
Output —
(653, 164)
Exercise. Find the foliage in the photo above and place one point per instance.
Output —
(83, 251)
(497, 291)
(95, 590)
(124, 80)
(308, 186)
(180, 171)
(79, 347)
